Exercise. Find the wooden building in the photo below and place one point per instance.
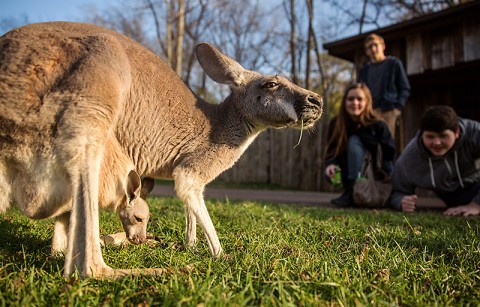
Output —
(441, 54)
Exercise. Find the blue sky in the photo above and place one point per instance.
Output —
(19, 12)
(47, 10)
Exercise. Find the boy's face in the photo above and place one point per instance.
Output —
(439, 143)
(375, 50)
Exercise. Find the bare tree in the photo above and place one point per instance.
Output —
(183, 25)
(309, 42)
(156, 21)
(169, 33)
(180, 35)
(362, 17)
(132, 22)
(173, 36)
(197, 21)
(293, 41)
(377, 13)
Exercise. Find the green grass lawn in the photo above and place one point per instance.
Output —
(277, 255)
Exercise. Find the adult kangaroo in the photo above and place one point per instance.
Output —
(67, 89)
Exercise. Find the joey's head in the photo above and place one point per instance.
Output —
(264, 101)
(134, 212)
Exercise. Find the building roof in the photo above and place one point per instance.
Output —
(346, 48)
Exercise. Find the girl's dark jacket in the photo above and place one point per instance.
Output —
(416, 167)
(371, 136)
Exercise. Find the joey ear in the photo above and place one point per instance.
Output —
(219, 67)
(147, 187)
(133, 185)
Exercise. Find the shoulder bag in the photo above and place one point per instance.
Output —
(372, 188)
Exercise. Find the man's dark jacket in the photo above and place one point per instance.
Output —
(395, 87)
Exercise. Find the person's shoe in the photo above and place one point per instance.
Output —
(345, 200)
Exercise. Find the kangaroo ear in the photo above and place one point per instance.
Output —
(219, 67)
(147, 187)
(133, 185)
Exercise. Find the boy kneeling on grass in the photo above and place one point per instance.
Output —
(443, 157)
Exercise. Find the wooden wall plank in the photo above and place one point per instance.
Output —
(414, 54)
(442, 49)
(471, 40)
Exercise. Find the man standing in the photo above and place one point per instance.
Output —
(444, 157)
(387, 80)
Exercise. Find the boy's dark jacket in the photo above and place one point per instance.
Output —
(395, 88)
(416, 167)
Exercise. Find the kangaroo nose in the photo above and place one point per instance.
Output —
(316, 100)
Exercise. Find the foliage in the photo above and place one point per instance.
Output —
(276, 255)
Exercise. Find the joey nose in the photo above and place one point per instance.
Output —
(316, 100)
(137, 240)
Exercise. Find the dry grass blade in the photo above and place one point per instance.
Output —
(300, 138)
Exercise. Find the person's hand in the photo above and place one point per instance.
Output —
(465, 210)
(330, 170)
(408, 203)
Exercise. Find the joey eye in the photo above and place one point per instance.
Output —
(138, 219)
(270, 84)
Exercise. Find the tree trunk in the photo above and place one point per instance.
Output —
(168, 5)
(293, 38)
(181, 31)
(309, 42)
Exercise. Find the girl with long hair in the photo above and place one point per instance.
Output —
(354, 131)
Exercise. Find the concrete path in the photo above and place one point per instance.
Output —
(282, 196)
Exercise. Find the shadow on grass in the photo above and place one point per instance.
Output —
(19, 245)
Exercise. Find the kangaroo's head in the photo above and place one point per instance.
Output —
(134, 212)
(263, 100)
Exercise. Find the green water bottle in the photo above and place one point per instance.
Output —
(360, 177)
(337, 179)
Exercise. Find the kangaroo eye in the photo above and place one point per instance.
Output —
(270, 84)
(138, 219)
